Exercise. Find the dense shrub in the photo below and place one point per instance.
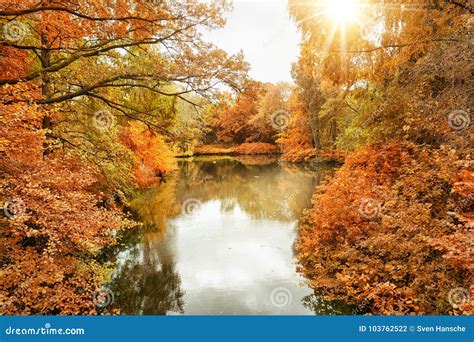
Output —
(213, 150)
(256, 148)
(296, 155)
(243, 149)
(152, 156)
(386, 232)
(54, 221)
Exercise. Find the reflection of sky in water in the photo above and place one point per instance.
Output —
(230, 263)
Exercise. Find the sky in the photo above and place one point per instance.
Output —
(265, 33)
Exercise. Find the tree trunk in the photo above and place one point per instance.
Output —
(333, 131)
(45, 91)
(315, 130)
(45, 79)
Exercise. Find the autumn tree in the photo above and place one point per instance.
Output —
(213, 111)
(53, 225)
(309, 94)
(152, 156)
(76, 76)
(138, 53)
(403, 79)
(296, 140)
(362, 71)
(266, 124)
(234, 123)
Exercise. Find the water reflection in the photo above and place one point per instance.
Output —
(231, 255)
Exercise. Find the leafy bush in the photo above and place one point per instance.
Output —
(153, 157)
(256, 148)
(54, 222)
(213, 150)
(385, 232)
(296, 155)
(244, 149)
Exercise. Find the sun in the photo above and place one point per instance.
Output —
(341, 11)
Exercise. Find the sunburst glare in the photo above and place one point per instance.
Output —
(341, 11)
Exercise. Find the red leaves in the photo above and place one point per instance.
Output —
(13, 63)
(464, 183)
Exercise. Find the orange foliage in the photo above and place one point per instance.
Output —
(243, 149)
(296, 140)
(331, 154)
(53, 226)
(13, 63)
(296, 155)
(213, 150)
(234, 123)
(256, 148)
(381, 230)
(152, 155)
(458, 245)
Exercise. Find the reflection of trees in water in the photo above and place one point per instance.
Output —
(321, 306)
(156, 205)
(256, 160)
(148, 289)
(147, 282)
(264, 191)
